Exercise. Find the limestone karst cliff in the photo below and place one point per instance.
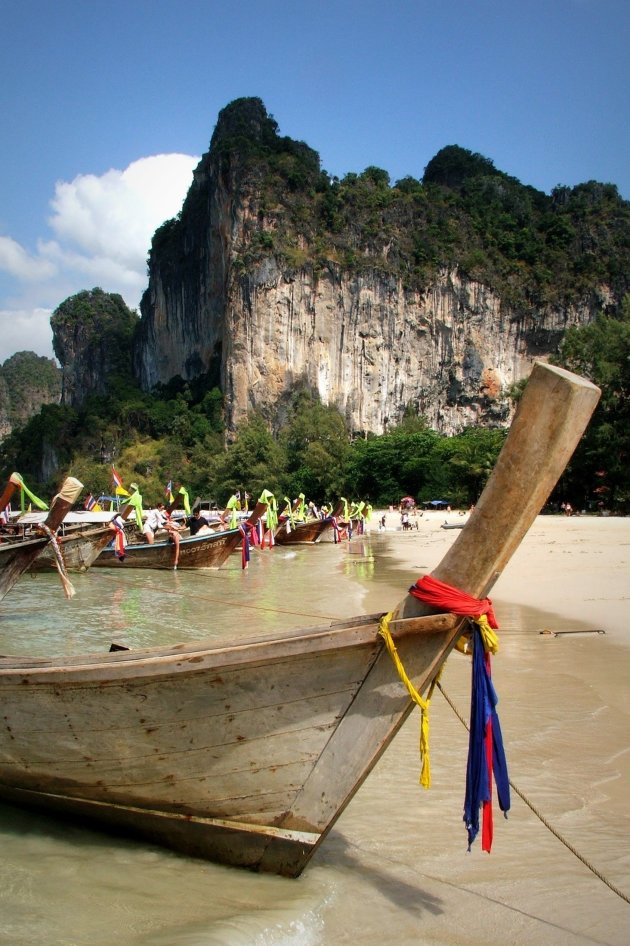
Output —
(92, 333)
(27, 381)
(436, 295)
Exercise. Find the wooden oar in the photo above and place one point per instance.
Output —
(551, 418)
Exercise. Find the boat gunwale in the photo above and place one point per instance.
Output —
(204, 538)
(19, 543)
(193, 657)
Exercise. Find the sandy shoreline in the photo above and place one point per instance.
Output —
(577, 566)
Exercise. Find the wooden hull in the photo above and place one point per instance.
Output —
(306, 533)
(205, 749)
(210, 550)
(17, 556)
(79, 550)
(248, 754)
(302, 533)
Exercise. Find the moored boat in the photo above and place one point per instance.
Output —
(308, 531)
(204, 550)
(17, 554)
(80, 543)
(247, 754)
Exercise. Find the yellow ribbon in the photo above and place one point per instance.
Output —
(488, 635)
(384, 631)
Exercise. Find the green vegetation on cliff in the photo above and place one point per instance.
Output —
(27, 381)
(531, 248)
(100, 322)
(601, 352)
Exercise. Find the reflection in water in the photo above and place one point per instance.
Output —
(359, 562)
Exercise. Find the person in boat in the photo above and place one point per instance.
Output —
(197, 523)
(159, 518)
(156, 519)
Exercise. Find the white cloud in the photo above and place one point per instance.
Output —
(15, 261)
(103, 228)
(25, 330)
(114, 216)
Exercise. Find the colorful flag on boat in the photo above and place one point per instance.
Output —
(91, 504)
(183, 492)
(135, 500)
(25, 491)
(168, 492)
(486, 755)
(120, 489)
(269, 520)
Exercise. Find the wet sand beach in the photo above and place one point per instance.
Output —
(565, 712)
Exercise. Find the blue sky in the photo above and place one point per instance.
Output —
(107, 107)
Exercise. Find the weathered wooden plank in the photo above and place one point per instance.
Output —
(104, 667)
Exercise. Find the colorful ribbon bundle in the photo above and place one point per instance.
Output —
(486, 754)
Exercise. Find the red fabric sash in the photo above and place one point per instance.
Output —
(437, 594)
(443, 597)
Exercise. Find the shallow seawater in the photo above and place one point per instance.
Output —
(395, 867)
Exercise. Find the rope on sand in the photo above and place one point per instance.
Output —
(541, 817)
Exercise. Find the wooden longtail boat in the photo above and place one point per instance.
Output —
(305, 533)
(18, 554)
(80, 547)
(247, 754)
(205, 550)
